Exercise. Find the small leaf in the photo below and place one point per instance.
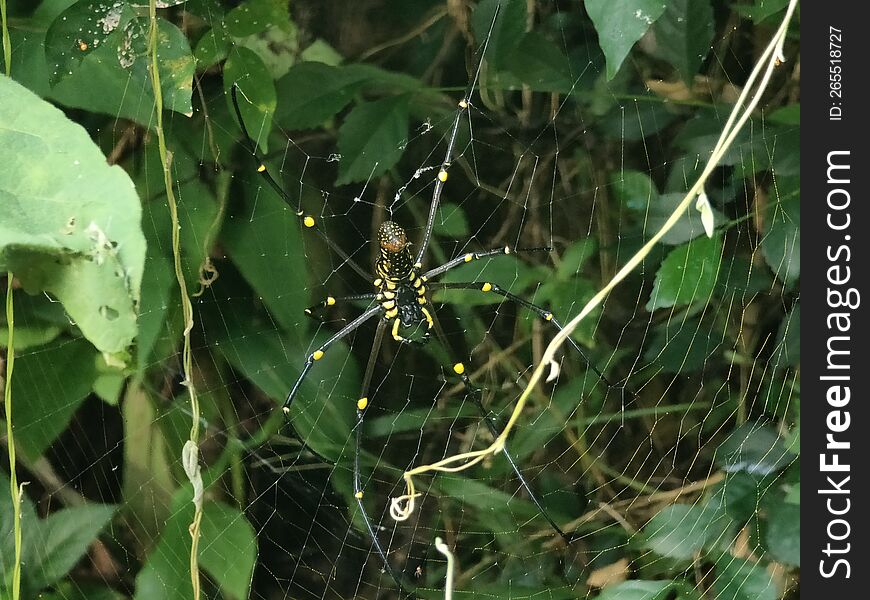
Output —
(755, 449)
(256, 93)
(637, 589)
(540, 64)
(507, 32)
(451, 221)
(372, 139)
(212, 47)
(782, 534)
(688, 274)
(782, 240)
(310, 93)
(634, 189)
(64, 538)
(620, 23)
(738, 579)
(683, 35)
(228, 549)
(689, 226)
(69, 223)
(680, 531)
(255, 16)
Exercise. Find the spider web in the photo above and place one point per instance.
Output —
(631, 467)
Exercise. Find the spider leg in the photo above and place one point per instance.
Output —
(463, 108)
(361, 406)
(318, 354)
(476, 394)
(543, 313)
(307, 220)
(314, 310)
(471, 256)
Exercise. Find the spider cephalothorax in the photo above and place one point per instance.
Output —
(401, 291)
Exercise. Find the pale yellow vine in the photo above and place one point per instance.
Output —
(190, 452)
(403, 506)
(14, 490)
(7, 43)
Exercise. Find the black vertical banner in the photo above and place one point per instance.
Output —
(835, 360)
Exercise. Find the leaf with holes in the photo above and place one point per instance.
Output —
(69, 223)
(621, 23)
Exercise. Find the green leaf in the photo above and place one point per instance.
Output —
(508, 31)
(508, 272)
(637, 589)
(114, 78)
(683, 35)
(48, 402)
(212, 47)
(688, 274)
(262, 236)
(541, 65)
(761, 10)
(372, 139)
(69, 223)
(755, 449)
(634, 189)
(311, 93)
(620, 23)
(681, 346)
(575, 258)
(681, 530)
(257, 98)
(687, 227)
(64, 538)
(228, 549)
(80, 30)
(738, 579)
(782, 534)
(451, 221)
(254, 16)
(782, 237)
(787, 351)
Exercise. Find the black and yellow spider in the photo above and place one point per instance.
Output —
(400, 300)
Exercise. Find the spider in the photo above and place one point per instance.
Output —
(400, 300)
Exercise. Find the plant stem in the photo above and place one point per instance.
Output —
(14, 491)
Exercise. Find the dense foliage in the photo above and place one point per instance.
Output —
(678, 475)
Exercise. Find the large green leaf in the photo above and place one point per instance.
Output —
(111, 75)
(310, 93)
(64, 537)
(688, 274)
(228, 549)
(49, 385)
(69, 223)
(620, 23)
(372, 138)
(683, 35)
(263, 238)
(227, 552)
